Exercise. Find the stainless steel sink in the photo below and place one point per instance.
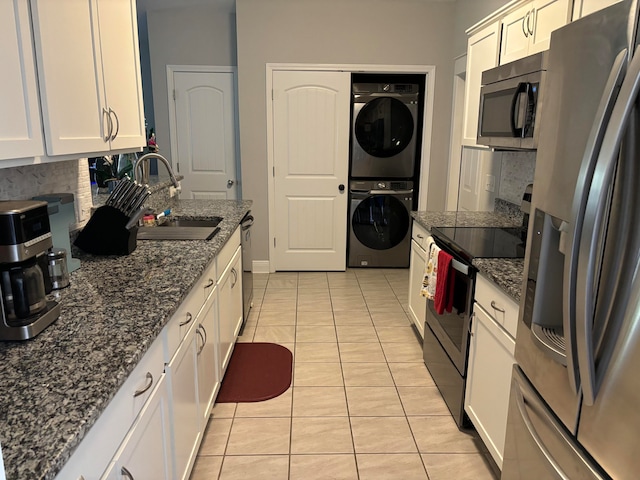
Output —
(181, 229)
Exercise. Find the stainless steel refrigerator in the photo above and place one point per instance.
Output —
(574, 410)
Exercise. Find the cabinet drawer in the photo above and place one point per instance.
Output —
(181, 321)
(419, 235)
(498, 304)
(226, 254)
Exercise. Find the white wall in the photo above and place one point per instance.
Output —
(191, 35)
(401, 32)
(468, 13)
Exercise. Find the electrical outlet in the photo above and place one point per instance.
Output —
(490, 183)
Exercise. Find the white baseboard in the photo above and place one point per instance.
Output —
(260, 266)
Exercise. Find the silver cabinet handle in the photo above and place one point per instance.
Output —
(470, 323)
(127, 473)
(524, 27)
(531, 17)
(107, 115)
(146, 387)
(209, 283)
(419, 236)
(230, 183)
(113, 136)
(188, 320)
(496, 307)
(202, 332)
(235, 277)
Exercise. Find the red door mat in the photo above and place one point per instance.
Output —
(256, 372)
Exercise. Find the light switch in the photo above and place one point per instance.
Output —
(490, 183)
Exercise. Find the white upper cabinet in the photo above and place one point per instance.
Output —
(582, 8)
(482, 54)
(88, 65)
(527, 30)
(20, 128)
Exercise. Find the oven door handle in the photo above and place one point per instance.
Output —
(460, 267)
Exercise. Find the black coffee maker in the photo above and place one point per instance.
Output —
(25, 237)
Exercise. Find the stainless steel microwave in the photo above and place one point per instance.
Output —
(510, 103)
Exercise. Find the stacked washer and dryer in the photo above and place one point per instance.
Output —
(386, 118)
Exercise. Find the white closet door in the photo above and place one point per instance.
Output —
(311, 159)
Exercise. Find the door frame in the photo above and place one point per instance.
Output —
(425, 160)
(173, 128)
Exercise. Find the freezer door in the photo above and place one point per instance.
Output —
(537, 446)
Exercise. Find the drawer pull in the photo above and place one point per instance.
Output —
(209, 284)
(126, 473)
(495, 307)
(420, 236)
(203, 335)
(188, 320)
(470, 323)
(137, 393)
(235, 277)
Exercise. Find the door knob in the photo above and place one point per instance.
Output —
(341, 187)
(230, 183)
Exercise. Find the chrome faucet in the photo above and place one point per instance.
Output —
(141, 174)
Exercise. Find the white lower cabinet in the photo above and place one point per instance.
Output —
(185, 414)
(230, 315)
(145, 453)
(207, 364)
(486, 400)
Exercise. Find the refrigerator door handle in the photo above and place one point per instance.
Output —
(585, 178)
(595, 223)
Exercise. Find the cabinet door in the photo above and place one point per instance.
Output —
(70, 76)
(20, 129)
(515, 34)
(417, 303)
(230, 297)
(547, 16)
(208, 372)
(146, 450)
(121, 72)
(482, 54)
(488, 381)
(185, 405)
(582, 8)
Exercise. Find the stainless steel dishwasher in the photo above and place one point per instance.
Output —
(247, 260)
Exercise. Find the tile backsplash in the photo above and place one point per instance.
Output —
(70, 176)
(517, 171)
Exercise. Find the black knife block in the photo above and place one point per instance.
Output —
(106, 233)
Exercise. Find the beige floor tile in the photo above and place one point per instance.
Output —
(279, 406)
(314, 318)
(310, 294)
(390, 319)
(391, 467)
(313, 279)
(411, 375)
(323, 467)
(403, 352)
(361, 352)
(285, 305)
(315, 334)
(358, 306)
(283, 280)
(248, 333)
(272, 467)
(366, 375)
(314, 306)
(352, 318)
(319, 402)
(206, 468)
(382, 435)
(422, 401)
(317, 353)
(215, 437)
(373, 402)
(317, 375)
(269, 318)
(321, 435)
(275, 334)
(377, 302)
(280, 294)
(468, 466)
(440, 434)
(404, 334)
(259, 436)
(356, 334)
(224, 410)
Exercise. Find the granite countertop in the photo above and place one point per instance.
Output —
(55, 386)
(505, 272)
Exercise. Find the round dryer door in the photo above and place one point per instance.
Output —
(384, 127)
(380, 222)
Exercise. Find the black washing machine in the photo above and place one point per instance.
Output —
(384, 130)
(379, 223)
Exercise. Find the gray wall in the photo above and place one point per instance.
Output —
(191, 35)
(468, 13)
(401, 32)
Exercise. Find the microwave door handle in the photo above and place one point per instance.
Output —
(531, 105)
(520, 89)
(594, 222)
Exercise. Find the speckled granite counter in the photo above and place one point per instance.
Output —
(55, 386)
(505, 272)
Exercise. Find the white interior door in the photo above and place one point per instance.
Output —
(311, 161)
(206, 134)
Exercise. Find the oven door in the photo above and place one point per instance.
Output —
(452, 329)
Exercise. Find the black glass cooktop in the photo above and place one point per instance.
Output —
(481, 242)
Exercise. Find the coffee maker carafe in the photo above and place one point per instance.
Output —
(25, 236)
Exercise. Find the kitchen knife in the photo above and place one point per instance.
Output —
(126, 198)
(122, 194)
(114, 194)
(134, 218)
(137, 201)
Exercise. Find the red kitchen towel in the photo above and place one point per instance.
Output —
(445, 283)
